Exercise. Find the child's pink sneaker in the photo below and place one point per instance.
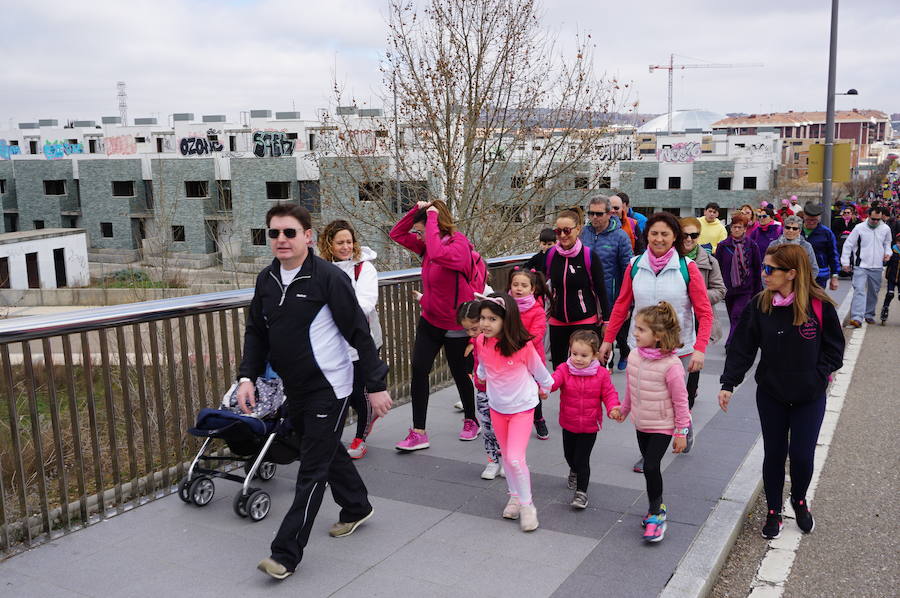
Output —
(470, 430)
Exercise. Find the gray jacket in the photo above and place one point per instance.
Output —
(802, 243)
(715, 286)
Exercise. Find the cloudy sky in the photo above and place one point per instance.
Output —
(61, 59)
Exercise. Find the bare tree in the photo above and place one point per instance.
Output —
(492, 116)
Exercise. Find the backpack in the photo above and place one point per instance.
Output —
(478, 280)
(587, 262)
(682, 265)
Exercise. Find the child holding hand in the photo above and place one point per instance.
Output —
(584, 387)
(656, 398)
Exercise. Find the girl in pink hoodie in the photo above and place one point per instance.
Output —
(584, 387)
(656, 397)
(529, 289)
(510, 366)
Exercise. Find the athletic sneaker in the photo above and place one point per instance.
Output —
(540, 426)
(345, 528)
(528, 521)
(639, 466)
(511, 510)
(470, 430)
(623, 363)
(870, 320)
(274, 568)
(413, 442)
(357, 449)
(491, 470)
(804, 518)
(689, 439)
(572, 480)
(854, 324)
(458, 406)
(655, 528)
(773, 525)
(579, 501)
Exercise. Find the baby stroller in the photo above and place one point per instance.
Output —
(260, 440)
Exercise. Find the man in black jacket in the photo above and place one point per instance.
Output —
(303, 319)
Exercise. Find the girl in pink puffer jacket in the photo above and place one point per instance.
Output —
(584, 387)
(656, 397)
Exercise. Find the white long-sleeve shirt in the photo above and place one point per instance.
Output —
(871, 246)
(511, 380)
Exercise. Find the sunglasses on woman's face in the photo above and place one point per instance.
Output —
(791, 228)
(763, 215)
(769, 269)
(563, 231)
(290, 233)
(694, 236)
(597, 213)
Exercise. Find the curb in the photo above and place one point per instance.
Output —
(699, 568)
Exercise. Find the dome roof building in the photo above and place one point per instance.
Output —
(682, 121)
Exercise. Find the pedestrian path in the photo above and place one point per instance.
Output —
(437, 529)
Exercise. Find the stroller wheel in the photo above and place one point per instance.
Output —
(202, 490)
(184, 490)
(239, 504)
(265, 472)
(258, 504)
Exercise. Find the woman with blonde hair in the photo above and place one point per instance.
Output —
(795, 326)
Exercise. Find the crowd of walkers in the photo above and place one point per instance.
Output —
(605, 281)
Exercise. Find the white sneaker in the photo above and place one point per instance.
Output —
(458, 406)
(491, 470)
(528, 521)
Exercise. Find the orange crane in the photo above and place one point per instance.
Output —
(672, 66)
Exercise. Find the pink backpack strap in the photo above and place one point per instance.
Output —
(817, 309)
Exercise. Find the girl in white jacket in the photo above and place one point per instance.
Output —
(338, 244)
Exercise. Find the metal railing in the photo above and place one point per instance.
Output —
(98, 401)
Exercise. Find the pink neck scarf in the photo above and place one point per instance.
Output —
(779, 300)
(658, 263)
(590, 370)
(525, 303)
(653, 353)
(572, 251)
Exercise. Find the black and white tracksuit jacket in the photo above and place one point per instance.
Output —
(306, 329)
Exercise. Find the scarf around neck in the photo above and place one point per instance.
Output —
(525, 303)
(739, 264)
(658, 263)
(590, 370)
(779, 300)
(693, 252)
(653, 353)
(572, 251)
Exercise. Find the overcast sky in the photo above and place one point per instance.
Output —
(61, 59)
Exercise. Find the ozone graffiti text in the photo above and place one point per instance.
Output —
(198, 146)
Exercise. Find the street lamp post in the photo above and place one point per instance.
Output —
(829, 117)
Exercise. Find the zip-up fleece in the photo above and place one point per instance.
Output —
(874, 245)
(655, 393)
(574, 299)
(796, 360)
(580, 399)
(305, 330)
(446, 268)
(366, 289)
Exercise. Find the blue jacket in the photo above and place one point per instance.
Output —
(824, 244)
(613, 247)
(641, 219)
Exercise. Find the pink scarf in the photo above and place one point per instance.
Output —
(779, 300)
(572, 251)
(658, 263)
(590, 370)
(525, 303)
(653, 353)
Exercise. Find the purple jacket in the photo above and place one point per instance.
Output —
(753, 283)
(762, 238)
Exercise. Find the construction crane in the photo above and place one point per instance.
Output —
(672, 66)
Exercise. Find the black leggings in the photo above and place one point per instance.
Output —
(577, 449)
(622, 339)
(429, 340)
(788, 429)
(653, 447)
(359, 400)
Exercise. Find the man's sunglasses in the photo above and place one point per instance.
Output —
(290, 233)
(563, 231)
(769, 269)
(694, 236)
(791, 228)
(597, 213)
(763, 215)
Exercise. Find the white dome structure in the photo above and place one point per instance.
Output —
(682, 120)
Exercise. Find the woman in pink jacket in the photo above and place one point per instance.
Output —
(584, 387)
(447, 267)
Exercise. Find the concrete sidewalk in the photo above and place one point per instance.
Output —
(437, 528)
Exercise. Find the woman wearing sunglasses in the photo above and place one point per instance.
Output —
(740, 264)
(794, 324)
(766, 231)
(792, 236)
(448, 265)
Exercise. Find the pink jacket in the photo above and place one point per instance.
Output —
(580, 399)
(446, 264)
(655, 392)
(478, 382)
(511, 380)
(535, 321)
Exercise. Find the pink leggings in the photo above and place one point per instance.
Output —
(513, 431)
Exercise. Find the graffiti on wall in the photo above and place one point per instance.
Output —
(198, 146)
(609, 152)
(55, 150)
(687, 151)
(272, 143)
(7, 150)
(121, 145)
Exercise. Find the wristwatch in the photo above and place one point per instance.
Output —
(244, 379)
(682, 431)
